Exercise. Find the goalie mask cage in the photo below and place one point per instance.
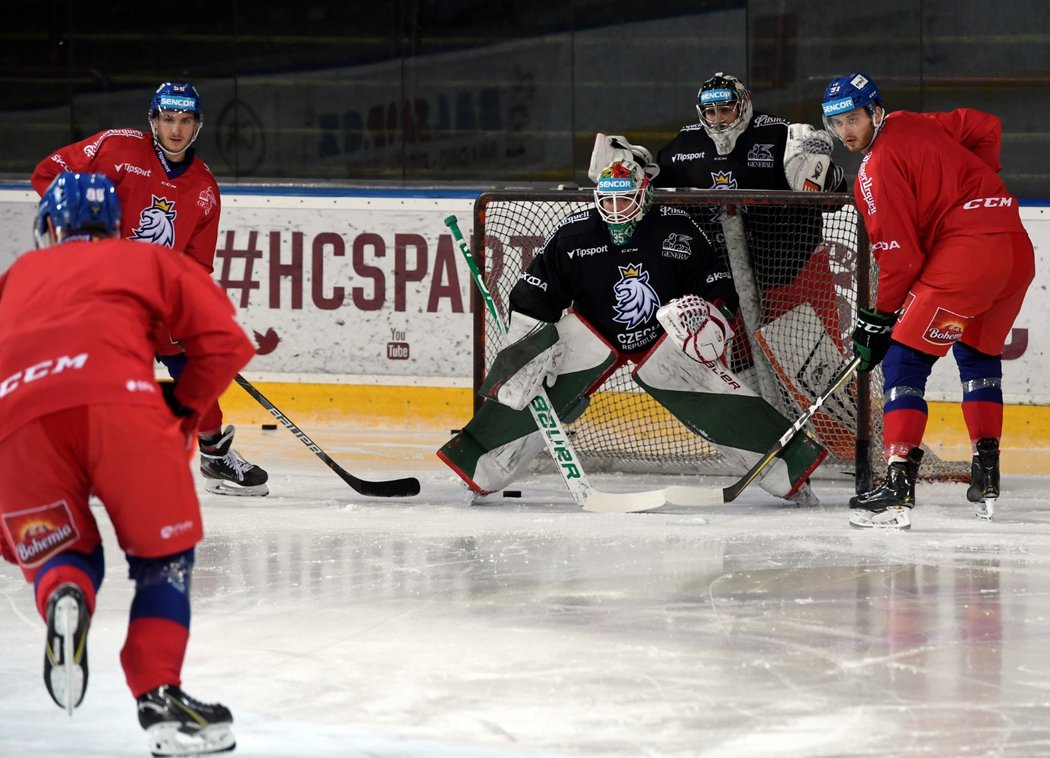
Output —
(799, 260)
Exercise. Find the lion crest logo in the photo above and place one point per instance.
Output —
(157, 223)
(636, 300)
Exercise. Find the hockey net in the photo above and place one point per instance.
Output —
(799, 260)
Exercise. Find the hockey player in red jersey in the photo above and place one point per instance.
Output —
(170, 198)
(954, 266)
(77, 323)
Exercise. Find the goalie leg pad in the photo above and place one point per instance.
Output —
(498, 444)
(713, 402)
(520, 369)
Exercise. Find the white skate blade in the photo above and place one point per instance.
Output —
(985, 510)
(224, 487)
(897, 518)
(166, 740)
(67, 680)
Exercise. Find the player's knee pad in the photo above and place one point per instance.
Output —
(162, 586)
(905, 371)
(981, 374)
(716, 404)
(174, 364)
(498, 444)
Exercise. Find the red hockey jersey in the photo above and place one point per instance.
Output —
(927, 177)
(180, 212)
(77, 326)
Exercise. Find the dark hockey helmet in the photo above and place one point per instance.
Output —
(77, 205)
(723, 104)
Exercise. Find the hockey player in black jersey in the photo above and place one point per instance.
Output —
(604, 289)
(733, 146)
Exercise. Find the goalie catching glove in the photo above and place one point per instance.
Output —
(807, 160)
(531, 357)
(698, 327)
(871, 336)
(610, 148)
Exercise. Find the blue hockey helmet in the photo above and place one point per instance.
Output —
(76, 204)
(849, 92)
(181, 97)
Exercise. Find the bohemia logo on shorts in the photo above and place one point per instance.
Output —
(40, 533)
(945, 327)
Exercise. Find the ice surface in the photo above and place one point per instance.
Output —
(337, 625)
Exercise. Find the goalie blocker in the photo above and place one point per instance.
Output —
(499, 442)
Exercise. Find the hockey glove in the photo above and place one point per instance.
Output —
(871, 336)
(518, 373)
(188, 417)
(698, 327)
(807, 159)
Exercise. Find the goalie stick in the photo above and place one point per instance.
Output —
(680, 495)
(391, 488)
(549, 424)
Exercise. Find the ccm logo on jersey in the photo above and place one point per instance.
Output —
(40, 370)
(988, 202)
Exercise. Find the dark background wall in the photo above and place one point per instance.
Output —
(421, 92)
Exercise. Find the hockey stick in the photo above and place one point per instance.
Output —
(391, 488)
(543, 412)
(680, 495)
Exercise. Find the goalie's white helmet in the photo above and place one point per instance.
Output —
(623, 196)
(724, 107)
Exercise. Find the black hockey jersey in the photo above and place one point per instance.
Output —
(618, 289)
(756, 161)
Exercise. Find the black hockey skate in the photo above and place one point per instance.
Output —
(226, 472)
(177, 724)
(984, 478)
(888, 505)
(65, 650)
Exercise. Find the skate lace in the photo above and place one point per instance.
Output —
(237, 464)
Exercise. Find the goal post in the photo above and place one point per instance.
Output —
(799, 260)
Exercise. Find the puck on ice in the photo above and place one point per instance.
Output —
(269, 427)
(511, 493)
